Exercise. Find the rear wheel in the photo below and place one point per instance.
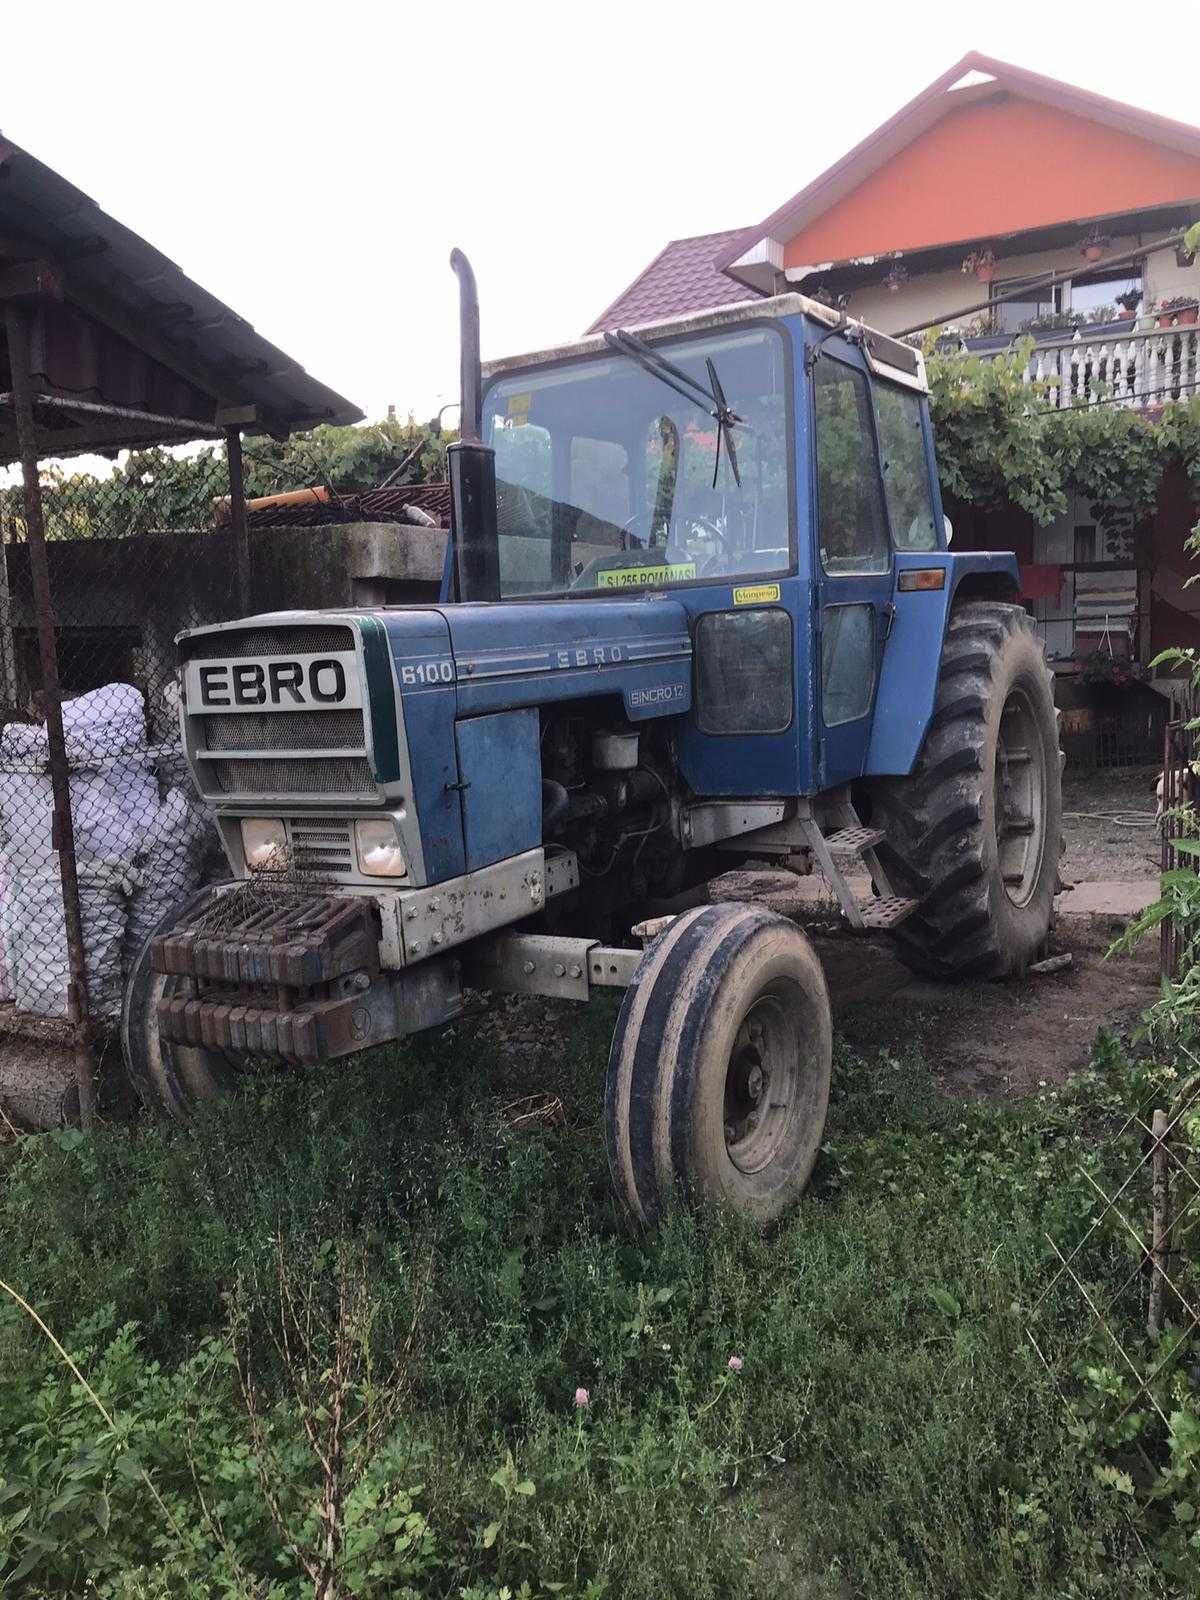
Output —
(718, 1077)
(975, 831)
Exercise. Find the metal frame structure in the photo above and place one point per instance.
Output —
(94, 316)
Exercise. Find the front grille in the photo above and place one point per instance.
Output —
(268, 752)
(286, 641)
(320, 846)
(304, 775)
(285, 730)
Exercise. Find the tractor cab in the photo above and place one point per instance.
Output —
(768, 470)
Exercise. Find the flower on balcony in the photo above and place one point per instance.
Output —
(1175, 309)
(1052, 322)
(1093, 245)
(982, 263)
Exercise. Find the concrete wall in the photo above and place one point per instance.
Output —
(119, 603)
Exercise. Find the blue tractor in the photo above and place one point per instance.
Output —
(699, 608)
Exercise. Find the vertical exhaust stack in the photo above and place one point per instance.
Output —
(471, 463)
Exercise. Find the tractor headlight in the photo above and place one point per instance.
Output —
(264, 844)
(377, 844)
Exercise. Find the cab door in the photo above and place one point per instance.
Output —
(854, 560)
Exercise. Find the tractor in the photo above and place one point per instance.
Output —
(699, 608)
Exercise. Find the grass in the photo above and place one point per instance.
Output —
(891, 1431)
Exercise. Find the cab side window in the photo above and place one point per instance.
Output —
(905, 468)
(851, 524)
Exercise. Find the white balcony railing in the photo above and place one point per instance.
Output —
(1138, 370)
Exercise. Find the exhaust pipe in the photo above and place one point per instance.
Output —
(470, 463)
(470, 426)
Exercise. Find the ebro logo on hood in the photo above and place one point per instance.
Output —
(279, 683)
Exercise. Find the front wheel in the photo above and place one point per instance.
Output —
(169, 1078)
(718, 1077)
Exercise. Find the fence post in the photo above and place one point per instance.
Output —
(1166, 932)
(237, 514)
(62, 835)
(1160, 1234)
(8, 637)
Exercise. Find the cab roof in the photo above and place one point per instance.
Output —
(885, 355)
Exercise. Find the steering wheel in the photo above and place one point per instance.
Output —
(679, 530)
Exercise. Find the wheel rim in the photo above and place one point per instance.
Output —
(1020, 798)
(762, 1083)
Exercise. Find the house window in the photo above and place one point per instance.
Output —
(1009, 315)
(1094, 289)
(1085, 544)
(1083, 294)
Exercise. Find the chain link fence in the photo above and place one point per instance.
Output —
(1132, 1267)
(134, 557)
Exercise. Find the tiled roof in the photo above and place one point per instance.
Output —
(681, 278)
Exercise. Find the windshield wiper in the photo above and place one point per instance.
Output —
(712, 399)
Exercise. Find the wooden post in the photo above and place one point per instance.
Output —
(1160, 1237)
(8, 636)
(237, 515)
(62, 830)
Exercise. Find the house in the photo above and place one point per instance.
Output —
(999, 202)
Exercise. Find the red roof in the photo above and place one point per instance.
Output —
(695, 274)
(683, 277)
(986, 78)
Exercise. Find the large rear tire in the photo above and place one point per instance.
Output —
(975, 831)
(718, 1077)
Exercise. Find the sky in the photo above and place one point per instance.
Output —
(312, 166)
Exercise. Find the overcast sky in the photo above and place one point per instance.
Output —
(313, 165)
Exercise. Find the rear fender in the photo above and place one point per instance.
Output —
(911, 661)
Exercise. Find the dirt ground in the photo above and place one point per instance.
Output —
(1000, 1038)
(993, 1038)
(1108, 822)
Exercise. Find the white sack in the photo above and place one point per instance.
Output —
(34, 916)
(169, 871)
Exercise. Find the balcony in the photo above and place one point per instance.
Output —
(1118, 363)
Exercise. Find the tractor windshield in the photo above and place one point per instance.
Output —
(609, 478)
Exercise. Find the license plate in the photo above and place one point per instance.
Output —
(328, 682)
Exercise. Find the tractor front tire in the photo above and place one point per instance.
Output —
(169, 1079)
(974, 833)
(718, 1077)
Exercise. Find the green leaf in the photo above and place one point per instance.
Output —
(1186, 847)
(525, 1487)
(1114, 1478)
(945, 1302)
(1185, 1511)
(102, 1512)
(490, 1535)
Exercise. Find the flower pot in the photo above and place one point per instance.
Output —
(1187, 315)
(1092, 252)
(1165, 319)
(985, 274)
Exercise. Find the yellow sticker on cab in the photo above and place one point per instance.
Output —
(517, 410)
(631, 577)
(756, 594)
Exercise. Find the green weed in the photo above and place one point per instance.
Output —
(378, 1237)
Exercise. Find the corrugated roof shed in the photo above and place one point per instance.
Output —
(131, 329)
(681, 278)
